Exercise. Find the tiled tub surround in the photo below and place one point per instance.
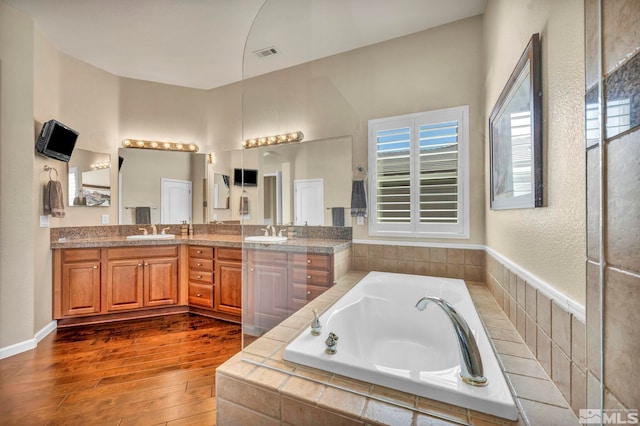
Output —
(259, 387)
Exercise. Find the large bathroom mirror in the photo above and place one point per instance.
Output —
(146, 174)
(89, 179)
(221, 191)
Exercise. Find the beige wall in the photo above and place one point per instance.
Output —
(17, 179)
(547, 242)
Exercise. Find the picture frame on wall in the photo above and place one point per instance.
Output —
(515, 136)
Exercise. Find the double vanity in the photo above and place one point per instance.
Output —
(101, 275)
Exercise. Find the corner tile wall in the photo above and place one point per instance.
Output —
(613, 202)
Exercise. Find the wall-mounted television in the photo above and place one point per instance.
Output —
(246, 177)
(56, 140)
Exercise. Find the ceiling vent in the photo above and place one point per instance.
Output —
(268, 51)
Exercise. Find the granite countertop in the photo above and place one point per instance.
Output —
(214, 240)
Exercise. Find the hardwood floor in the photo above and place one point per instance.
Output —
(152, 371)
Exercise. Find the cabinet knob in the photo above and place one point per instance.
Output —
(252, 269)
(146, 264)
(308, 260)
(308, 293)
(308, 277)
(198, 264)
(95, 266)
(139, 265)
(199, 251)
(198, 276)
(199, 295)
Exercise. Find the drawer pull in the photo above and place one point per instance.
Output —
(308, 260)
(146, 264)
(308, 277)
(95, 266)
(252, 269)
(198, 276)
(308, 293)
(139, 265)
(198, 264)
(199, 294)
(199, 251)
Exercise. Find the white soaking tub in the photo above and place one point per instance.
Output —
(383, 339)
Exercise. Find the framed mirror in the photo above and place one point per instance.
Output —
(515, 134)
(89, 179)
(221, 191)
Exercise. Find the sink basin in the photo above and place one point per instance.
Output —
(151, 237)
(265, 239)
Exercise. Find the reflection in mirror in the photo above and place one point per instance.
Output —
(221, 191)
(89, 179)
(141, 178)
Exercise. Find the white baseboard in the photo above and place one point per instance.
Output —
(28, 344)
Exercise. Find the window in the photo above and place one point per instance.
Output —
(419, 177)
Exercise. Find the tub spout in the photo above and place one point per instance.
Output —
(470, 361)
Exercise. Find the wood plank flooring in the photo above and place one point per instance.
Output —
(141, 372)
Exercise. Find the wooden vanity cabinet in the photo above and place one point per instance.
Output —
(228, 281)
(77, 283)
(267, 283)
(311, 275)
(140, 277)
(201, 276)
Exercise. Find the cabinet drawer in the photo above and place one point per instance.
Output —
(306, 292)
(201, 294)
(316, 261)
(80, 255)
(224, 253)
(198, 251)
(142, 252)
(204, 276)
(200, 264)
(310, 276)
(268, 257)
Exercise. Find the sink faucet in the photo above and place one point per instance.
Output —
(154, 229)
(273, 230)
(470, 361)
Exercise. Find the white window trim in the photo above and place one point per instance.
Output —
(459, 230)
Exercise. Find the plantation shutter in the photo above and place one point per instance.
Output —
(393, 166)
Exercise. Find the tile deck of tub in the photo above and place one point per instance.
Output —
(259, 387)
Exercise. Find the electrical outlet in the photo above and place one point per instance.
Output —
(105, 219)
(360, 220)
(44, 221)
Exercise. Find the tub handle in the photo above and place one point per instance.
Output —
(332, 344)
(315, 325)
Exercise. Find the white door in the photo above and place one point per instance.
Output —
(175, 201)
(308, 201)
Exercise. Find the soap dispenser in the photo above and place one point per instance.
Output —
(184, 229)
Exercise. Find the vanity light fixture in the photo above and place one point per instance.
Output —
(99, 166)
(166, 146)
(273, 140)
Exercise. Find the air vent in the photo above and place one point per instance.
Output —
(268, 51)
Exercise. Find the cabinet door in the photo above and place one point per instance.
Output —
(160, 282)
(269, 298)
(80, 288)
(124, 284)
(228, 294)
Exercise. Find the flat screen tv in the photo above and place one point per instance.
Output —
(246, 177)
(56, 140)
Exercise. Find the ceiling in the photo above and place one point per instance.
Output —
(201, 43)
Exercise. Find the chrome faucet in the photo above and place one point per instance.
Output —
(471, 371)
(273, 230)
(154, 229)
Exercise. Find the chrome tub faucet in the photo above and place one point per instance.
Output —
(471, 371)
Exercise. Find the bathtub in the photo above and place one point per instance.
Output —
(383, 339)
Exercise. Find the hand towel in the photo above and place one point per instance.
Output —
(143, 215)
(53, 199)
(358, 198)
(337, 216)
(244, 205)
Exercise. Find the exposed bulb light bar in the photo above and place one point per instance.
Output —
(273, 140)
(163, 146)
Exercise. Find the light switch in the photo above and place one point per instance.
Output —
(44, 221)
(105, 219)
(360, 220)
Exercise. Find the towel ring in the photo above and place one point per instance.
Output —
(49, 169)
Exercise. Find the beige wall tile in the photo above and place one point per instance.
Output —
(531, 335)
(360, 250)
(438, 269)
(561, 328)
(405, 266)
(455, 271)
(300, 388)
(578, 389)
(296, 412)
(421, 254)
(593, 391)
(390, 252)
(512, 348)
(561, 371)
(361, 264)
(543, 309)
(374, 251)
(438, 255)
(252, 397)
(513, 284)
(521, 323)
(474, 257)
(455, 256)
(421, 268)
(440, 408)
(593, 204)
(578, 348)
(544, 350)
(593, 319)
(513, 311)
(405, 252)
(622, 336)
(520, 290)
(228, 413)
(343, 402)
(523, 366)
(474, 273)
(531, 301)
